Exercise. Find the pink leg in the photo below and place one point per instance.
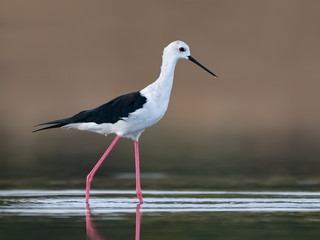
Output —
(138, 188)
(93, 171)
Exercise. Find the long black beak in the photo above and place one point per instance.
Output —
(196, 62)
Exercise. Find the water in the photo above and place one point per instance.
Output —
(62, 214)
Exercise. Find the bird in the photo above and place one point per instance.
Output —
(130, 114)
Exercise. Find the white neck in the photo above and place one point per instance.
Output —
(167, 70)
(163, 85)
(158, 92)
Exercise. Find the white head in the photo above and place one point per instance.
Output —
(181, 50)
(178, 49)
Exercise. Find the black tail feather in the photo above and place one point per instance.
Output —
(61, 122)
(55, 124)
(49, 127)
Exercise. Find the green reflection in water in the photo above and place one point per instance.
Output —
(168, 226)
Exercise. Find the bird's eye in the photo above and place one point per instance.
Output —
(182, 49)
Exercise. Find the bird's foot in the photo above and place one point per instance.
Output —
(139, 195)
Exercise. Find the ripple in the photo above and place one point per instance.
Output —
(71, 202)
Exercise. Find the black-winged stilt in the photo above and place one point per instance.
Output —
(130, 114)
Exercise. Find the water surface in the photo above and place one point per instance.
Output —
(63, 214)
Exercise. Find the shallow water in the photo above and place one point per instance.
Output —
(63, 214)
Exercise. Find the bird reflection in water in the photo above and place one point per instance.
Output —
(138, 221)
(92, 232)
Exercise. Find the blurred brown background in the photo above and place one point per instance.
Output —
(260, 118)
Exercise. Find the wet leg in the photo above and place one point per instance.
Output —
(138, 187)
(93, 171)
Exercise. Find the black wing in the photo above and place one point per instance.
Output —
(110, 112)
